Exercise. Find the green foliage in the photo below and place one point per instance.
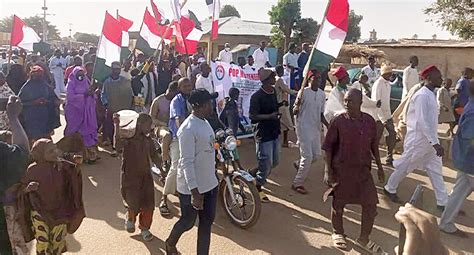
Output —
(278, 38)
(353, 32)
(284, 16)
(86, 38)
(306, 30)
(35, 22)
(456, 16)
(229, 11)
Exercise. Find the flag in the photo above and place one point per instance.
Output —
(126, 25)
(186, 29)
(331, 36)
(22, 35)
(151, 33)
(109, 48)
(176, 8)
(214, 10)
(159, 14)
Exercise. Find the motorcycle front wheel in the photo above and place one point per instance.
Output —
(245, 211)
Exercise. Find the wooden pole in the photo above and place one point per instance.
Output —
(306, 68)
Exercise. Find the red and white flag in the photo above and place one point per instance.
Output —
(126, 25)
(110, 46)
(151, 33)
(22, 35)
(159, 13)
(190, 34)
(214, 10)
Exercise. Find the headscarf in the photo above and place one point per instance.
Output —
(39, 148)
(73, 81)
(16, 77)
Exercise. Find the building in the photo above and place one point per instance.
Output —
(235, 31)
(4, 38)
(449, 55)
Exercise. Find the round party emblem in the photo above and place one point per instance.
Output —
(220, 72)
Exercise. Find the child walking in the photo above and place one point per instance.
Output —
(52, 189)
(137, 184)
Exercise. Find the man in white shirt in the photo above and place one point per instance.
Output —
(250, 64)
(308, 129)
(225, 55)
(261, 57)
(371, 71)
(196, 180)
(422, 149)
(368, 106)
(57, 65)
(290, 62)
(381, 91)
(204, 80)
(410, 76)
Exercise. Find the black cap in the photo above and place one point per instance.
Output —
(201, 96)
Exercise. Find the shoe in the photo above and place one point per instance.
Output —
(170, 250)
(441, 207)
(114, 154)
(253, 172)
(393, 197)
(146, 235)
(130, 226)
(263, 197)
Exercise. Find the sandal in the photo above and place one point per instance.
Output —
(147, 235)
(164, 210)
(299, 189)
(371, 247)
(339, 241)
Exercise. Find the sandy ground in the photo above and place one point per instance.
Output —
(290, 224)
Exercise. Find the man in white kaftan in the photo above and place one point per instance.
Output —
(57, 65)
(421, 148)
(308, 129)
(410, 76)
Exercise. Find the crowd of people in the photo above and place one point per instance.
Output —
(176, 104)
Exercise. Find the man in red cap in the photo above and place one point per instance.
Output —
(421, 148)
(308, 129)
(335, 102)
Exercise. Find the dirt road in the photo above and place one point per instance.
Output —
(290, 224)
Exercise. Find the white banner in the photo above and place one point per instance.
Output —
(226, 76)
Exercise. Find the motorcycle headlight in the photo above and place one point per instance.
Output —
(230, 143)
(229, 132)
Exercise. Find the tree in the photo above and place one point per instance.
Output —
(456, 16)
(229, 11)
(306, 30)
(35, 22)
(86, 38)
(284, 16)
(353, 31)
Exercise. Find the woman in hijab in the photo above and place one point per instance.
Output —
(52, 195)
(40, 106)
(80, 111)
(16, 77)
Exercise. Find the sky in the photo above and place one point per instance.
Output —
(392, 19)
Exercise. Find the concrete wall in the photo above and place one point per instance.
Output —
(450, 61)
(4, 38)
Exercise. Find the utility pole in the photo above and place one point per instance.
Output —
(45, 27)
(70, 35)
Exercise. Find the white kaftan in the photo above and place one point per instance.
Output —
(57, 67)
(410, 79)
(422, 134)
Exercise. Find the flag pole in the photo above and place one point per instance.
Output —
(306, 68)
(157, 51)
(95, 62)
(11, 45)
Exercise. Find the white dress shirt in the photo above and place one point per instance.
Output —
(260, 57)
(410, 79)
(204, 83)
(196, 167)
(381, 91)
(373, 74)
(225, 56)
(290, 59)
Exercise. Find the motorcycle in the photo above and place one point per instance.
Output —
(237, 191)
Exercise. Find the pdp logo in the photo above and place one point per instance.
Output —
(220, 72)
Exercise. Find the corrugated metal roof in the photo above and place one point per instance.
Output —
(237, 26)
(426, 43)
